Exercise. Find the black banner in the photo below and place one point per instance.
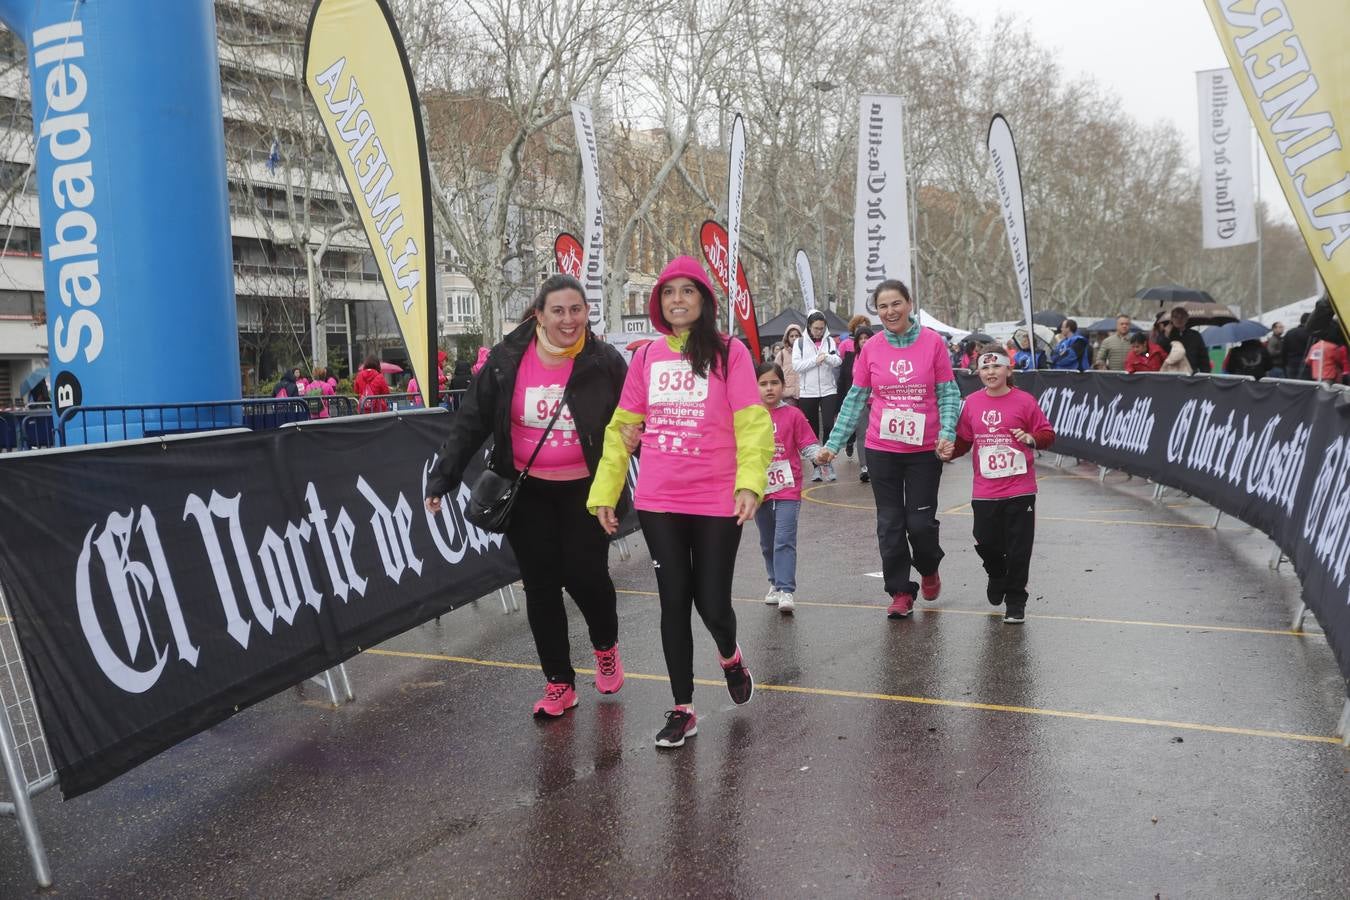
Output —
(1274, 455)
(159, 588)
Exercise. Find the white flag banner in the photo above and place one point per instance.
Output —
(804, 278)
(735, 193)
(1227, 201)
(593, 230)
(1008, 177)
(881, 212)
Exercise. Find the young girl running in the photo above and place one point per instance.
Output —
(706, 449)
(1003, 424)
(793, 441)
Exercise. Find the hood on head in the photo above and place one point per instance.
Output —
(680, 267)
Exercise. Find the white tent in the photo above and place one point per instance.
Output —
(929, 321)
(1290, 313)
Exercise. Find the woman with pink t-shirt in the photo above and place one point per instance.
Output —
(906, 373)
(550, 359)
(706, 446)
(1004, 426)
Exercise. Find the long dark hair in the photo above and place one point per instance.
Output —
(765, 368)
(891, 284)
(705, 348)
(559, 282)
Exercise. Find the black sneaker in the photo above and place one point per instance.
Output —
(680, 724)
(863, 476)
(848, 449)
(994, 592)
(1015, 615)
(740, 685)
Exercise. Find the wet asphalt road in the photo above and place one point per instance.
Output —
(1153, 729)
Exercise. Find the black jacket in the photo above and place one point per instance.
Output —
(592, 394)
(1197, 354)
(1294, 349)
(1323, 325)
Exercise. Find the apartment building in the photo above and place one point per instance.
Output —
(287, 202)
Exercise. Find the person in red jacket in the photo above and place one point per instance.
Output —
(370, 383)
(1004, 426)
(1327, 362)
(1144, 355)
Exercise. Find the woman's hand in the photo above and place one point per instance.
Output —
(746, 504)
(608, 520)
(945, 450)
(433, 504)
(824, 457)
(632, 436)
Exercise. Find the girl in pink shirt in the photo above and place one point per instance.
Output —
(706, 447)
(793, 441)
(1004, 426)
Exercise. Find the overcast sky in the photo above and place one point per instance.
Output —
(1145, 51)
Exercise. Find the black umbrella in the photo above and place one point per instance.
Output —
(1174, 293)
(979, 337)
(1106, 325)
(1050, 318)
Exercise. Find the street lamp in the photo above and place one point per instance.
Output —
(822, 265)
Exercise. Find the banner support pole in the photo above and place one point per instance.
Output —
(22, 807)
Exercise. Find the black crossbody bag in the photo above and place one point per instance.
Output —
(492, 495)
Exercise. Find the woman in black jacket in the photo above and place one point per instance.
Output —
(551, 358)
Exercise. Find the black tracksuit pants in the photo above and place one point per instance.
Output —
(1004, 532)
(905, 488)
(694, 558)
(558, 544)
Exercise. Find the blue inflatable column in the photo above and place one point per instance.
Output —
(131, 181)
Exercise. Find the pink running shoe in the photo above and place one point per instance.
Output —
(608, 670)
(557, 699)
(902, 605)
(930, 586)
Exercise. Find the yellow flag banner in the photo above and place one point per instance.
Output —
(357, 72)
(1290, 63)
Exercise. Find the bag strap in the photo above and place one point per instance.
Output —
(543, 437)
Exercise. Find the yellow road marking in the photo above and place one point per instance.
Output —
(902, 698)
(963, 510)
(1236, 629)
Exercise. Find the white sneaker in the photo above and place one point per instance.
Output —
(816, 476)
(785, 603)
(773, 596)
(829, 472)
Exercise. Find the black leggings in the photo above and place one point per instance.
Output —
(558, 544)
(1004, 533)
(820, 412)
(694, 558)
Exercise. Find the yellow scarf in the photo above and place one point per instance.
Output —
(567, 352)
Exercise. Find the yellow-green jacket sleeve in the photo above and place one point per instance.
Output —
(754, 448)
(609, 477)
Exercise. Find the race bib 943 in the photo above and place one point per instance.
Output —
(540, 405)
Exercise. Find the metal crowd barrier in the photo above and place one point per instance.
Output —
(23, 746)
(112, 423)
(371, 403)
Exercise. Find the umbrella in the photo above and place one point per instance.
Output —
(389, 368)
(635, 346)
(1050, 318)
(34, 378)
(1174, 293)
(1106, 325)
(1207, 313)
(1234, 333)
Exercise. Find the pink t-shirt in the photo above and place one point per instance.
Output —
(791, 434)
(1004, 467)
(904, 417)
(689, 445)
(538, 391)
